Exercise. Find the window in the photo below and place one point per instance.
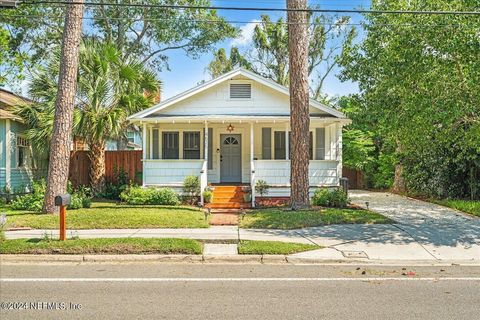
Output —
(131, 136)
(170, 145)
(191, 145)
(240, 91)
(279, 145)
(23, 148)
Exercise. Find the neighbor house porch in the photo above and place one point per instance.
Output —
(237, 150)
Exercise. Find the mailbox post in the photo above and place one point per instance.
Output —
(63, 201)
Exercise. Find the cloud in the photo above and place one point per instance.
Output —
(246, 34)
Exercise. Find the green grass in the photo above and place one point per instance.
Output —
(276, 218)
(273, 247)
(108, 215)
(467, 206)
(101, 246)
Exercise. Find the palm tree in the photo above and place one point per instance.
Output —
(109, 90)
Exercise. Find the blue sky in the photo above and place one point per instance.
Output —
(186, 72)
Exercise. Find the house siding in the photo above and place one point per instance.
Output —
(264, 99)
(20, 178)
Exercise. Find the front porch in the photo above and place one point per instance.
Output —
(236, 150)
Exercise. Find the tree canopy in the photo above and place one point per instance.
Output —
(418, 76)
(268, 53)
(145, 33)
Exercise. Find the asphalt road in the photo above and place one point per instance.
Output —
(200, 291)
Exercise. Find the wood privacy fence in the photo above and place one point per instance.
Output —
(356, 178)
(130, 161)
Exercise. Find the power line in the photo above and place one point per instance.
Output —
(362, 24)
(316, 10)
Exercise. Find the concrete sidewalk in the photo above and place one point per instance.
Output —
(375, 242)
(423, 231)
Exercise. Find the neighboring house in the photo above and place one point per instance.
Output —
(134, 138)
(235, 130)
(16, 160)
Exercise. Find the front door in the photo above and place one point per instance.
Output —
(230, 158)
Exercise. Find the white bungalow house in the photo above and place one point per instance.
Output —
(234, 130)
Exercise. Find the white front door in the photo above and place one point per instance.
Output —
(230, 158)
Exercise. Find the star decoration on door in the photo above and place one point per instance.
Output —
(230, 128)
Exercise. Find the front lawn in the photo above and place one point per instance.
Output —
(273, 247)
(468, 206)
(277, 218)
(109, 215)
(101, 246)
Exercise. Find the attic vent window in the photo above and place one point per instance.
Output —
(240, 91)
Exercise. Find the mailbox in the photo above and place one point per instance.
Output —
(63, 200)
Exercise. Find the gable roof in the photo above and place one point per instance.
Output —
(236, 72)
(8, 100)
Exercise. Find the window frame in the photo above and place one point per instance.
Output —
(165, 148)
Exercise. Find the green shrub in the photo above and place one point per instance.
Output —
(191, 186)
(191, 189)
(32, 201)
(81, 198)
(261, 187)
(326, 198)
(114, 189)
(138, 195)
(207, 196)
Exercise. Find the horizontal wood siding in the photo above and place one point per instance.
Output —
(170, 172)
(277, 172)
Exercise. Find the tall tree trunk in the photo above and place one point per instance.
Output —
(399, 184)
(64, 104)
(97, 166)
(299, 103)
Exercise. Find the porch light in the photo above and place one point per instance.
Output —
(230, 128)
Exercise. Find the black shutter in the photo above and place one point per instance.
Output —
(279, 141)
(266, 143)
(320, 145)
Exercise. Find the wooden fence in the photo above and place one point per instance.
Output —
(130, 161)
(356, 179)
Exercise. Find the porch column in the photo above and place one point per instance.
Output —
(287, 144)
(204, 172)
(252, 164)
(151, 142)
(8, 154)
(144, 152)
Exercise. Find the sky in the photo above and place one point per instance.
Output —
(186, 72)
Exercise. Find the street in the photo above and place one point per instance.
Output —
(239, 291)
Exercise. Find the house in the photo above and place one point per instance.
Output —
(16, 161)
(133, 142)
(234, 131)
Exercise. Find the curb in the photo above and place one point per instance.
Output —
(180, 258)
